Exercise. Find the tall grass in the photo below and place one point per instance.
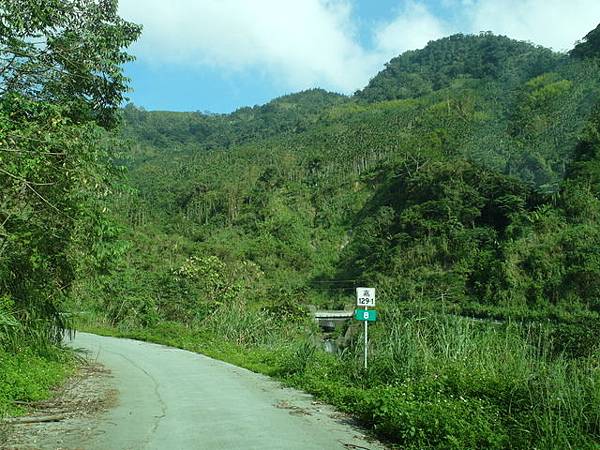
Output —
(242, 325)
(434, 381)
(438, 381)
(31, 357)
(40, 329)
(506, 378)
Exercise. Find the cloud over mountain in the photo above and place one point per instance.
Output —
(302, 44)
(306, 42)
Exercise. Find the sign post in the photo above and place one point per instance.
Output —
(366, 342)
(365, 297)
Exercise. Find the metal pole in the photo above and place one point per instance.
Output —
(366, 339)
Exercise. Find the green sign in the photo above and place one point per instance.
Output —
(370, 315)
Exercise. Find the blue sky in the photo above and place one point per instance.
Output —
(219, 55)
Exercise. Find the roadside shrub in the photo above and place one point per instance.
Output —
(422, 416)
(577, 339)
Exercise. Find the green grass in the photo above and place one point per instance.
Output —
(29, 377)
(433, 381)
(447, 382)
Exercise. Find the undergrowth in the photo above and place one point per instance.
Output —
(28, 376)
(433, 381)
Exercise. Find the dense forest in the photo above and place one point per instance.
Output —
(463, 182)
(475, 193)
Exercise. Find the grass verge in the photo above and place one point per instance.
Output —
(433, 382)
(28, 377)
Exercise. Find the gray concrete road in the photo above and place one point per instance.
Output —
(173, 400)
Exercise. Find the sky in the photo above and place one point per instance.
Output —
(220, 55)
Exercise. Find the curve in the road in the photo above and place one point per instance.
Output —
(173, 399)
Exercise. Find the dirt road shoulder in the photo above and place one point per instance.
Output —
(68, 416)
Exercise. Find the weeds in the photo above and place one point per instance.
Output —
(27, 376)
(434, 381)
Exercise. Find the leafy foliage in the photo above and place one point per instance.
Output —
(60, 78)
(589, 46)
(435, 67)
(66, 52)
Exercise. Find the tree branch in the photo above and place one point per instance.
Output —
(24, 180)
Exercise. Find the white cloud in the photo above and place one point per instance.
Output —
(412, 28)
(551, 23)
(306, 42)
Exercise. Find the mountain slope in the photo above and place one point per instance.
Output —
(484, 57)
(169, 130)
(315, 185)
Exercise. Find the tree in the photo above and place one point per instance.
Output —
(589, 46)
(67, 52)
(60, 78)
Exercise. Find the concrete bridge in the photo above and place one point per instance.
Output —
(330, 320)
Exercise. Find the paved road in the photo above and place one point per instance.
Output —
(173, 399)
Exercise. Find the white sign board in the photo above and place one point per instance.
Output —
(365, 296)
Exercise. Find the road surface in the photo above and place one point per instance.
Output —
(171, 399)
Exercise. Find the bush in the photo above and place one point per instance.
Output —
(423, 416)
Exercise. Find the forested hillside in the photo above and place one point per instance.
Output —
(166, 130)
(494, 59)
(462, 182)
(461, 194)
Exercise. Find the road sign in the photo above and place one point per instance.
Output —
(365, 296)
(369, 315)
